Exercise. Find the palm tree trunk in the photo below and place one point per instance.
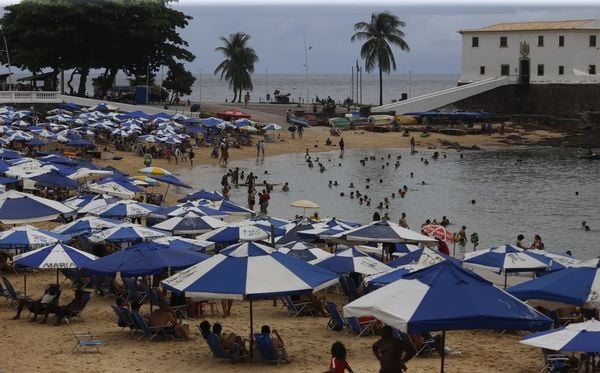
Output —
(380, 86)
(234, 94)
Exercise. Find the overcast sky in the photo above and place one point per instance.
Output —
(278, 31)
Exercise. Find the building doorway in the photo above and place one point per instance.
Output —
(524, 73)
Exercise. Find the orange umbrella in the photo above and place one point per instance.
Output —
(439, 232)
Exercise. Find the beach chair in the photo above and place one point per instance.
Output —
(214, 343)
(4, 293)
(123, 319)
(73, 274)
(13, 295)
(554, 362)
(336, 321)
(151, 331)
(267, 352)
(131, 289)
(295, 309)
(101, 285)
(352, 290)
(84, 339)
(359, 327)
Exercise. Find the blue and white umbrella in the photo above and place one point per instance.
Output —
(246, 249)
(381, 279)
(579, 286)
(304, 251)
(29, 237)
(577, 337)
(85, 203)
(235, 232)
(202, 194)
(422, 258)
(182, 243)
(353, 260)
(18, 208)
(272, 126)
(86, 225)
(190, 223)
(233, 208)
(125, 209)
(186, 207)
(127, 232)
(505, 258)
(385, 232)
(117, 187)
(55, 256)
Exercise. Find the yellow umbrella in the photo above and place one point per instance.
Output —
(248, 129)
(155, 171)
(304, 204)
(406, 120)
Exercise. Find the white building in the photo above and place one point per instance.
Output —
(564, 52)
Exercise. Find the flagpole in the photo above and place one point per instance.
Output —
(352, 84)
(306, 71)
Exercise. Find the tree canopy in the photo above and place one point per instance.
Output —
(113, 35)
(179, 81)
(238, 65)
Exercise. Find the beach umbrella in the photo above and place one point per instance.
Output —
(385, 232)
(446, 297)
(304, 204)
(422, 257)
(352, 260)
(182, 243)
(18, 208)
(189, 223)
(269, 220)
(150, 139)
(144, 259)
(86, 225)
(246, 249)
(202, 194)
(556, 262)
(8, 180)
(578, 286)
(120, 188)
(304, 251)
(127, 232)
(576, 337)
(84, 203)
(294, 233)
(146, 180)
(235, 232)
(438, 232)
(210, 122)
(186, 207)
(507, 259)
(154, 171)
(170, 179)
(35, 142)
(53, 179)
(124, 209)
(9, 154)
(256, 275)
(272, 126)
(233, 208)
(384, 278)
(28, 237)
(55, 256)
(84, 172)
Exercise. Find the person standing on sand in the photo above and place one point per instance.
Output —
(192, 155)
(246, 98)
(413, 145)
(258, 148)
(251, 198)
(392, 353)
(168, 153)
(177, 154)
(341, 143)
(262, 148)
(462, 236)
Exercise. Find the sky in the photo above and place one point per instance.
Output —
(278, 32)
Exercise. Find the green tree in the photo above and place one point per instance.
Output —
(179, 81)
(378, 34)
(238, 65)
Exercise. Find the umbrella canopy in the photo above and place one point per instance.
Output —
(422, 257)
(53, 179)
(202, 194)
(579, 286)
(144, 259)
(446, 297)
(234, 209)
(17, 208)
(29, 237)
(381, 279)
(235, 233)
(353, 260)
(170, 179)
(304, 251)
(55, 256)
(438, 232)
(577, 337)
(85, 203)
(294, 233)
(190, 223)
(86, 225)
(505, 258)
(184, 208)
(124, 209)
(305, 204)
(258, 274)
(385, 232)
(127, 232)
(176, 242)
(272, 126)
(154, 171)
(117, 187)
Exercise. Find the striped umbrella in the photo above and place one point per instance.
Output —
(304, 251)
(29, 237)
(154, 171)
(86, 225)
(577, 337)
(182, 243)
(124, 209)
(352, 260)
(190, 223)
(18, 208)
(127, 232)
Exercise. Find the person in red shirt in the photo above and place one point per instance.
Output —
(442, 247)
(338, 363)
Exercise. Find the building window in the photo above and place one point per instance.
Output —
(540, 70)
(503, 42)
(481, 70)
(592, 69)
(561, 41)
(504, 70)
(561, 70)
(592, 40)
(475, 42)
(540, 41)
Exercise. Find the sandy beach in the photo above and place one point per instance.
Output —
(32, 347)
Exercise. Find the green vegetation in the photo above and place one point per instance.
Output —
(238, 65)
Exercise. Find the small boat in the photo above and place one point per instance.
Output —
(296, 121)
(338, 122)
(590, 157)
(453, 131)
(381, 120)
(232, 114)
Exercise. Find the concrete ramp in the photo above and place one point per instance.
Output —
(442, 98)
(148, 109)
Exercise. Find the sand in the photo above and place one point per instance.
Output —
(32, 347)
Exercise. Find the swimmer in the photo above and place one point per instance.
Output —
(423, 182)
(380, 181)
(360, 201)
(367, 187)
(335, 183)
(380, 205)
(369, 203)
(393, 195)
(351, 185)
(473, 202)
(387, 206)
(352, 195)
(368, 180)
(266, 172)
(412, 175)
(405, 188)
(330, 184)
(342, 194)
(386, 200)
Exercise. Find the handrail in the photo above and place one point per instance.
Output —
(29, 96)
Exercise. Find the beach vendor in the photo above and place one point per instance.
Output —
(147, 159)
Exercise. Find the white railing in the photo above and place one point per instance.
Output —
(29, 96)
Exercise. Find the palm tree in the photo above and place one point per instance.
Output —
(238, 65)
(383, 30)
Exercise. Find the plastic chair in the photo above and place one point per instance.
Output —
(76, 312)
(84, 339)
(554, 362)
(13, 295)
(361, 327)
(295, 309)
(267, 352)
(219, 352)
(150, 331)
(336, 321)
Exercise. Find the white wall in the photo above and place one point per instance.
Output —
(576, 54)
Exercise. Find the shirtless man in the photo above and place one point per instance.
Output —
(165, 316)
(391, 352)
(402, 221)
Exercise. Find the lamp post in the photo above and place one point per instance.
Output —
(266, 85)
(200, 87)
(409, 83)
(306, 70)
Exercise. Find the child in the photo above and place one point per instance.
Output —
(338, 363)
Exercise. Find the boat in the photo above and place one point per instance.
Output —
(296, 121)
(338, 122)
(233, 114)
(406, 120)
(453, 131)
(590, 157)
(381, 120)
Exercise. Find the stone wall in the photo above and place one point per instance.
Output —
(560, 100)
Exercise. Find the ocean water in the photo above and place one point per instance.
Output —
(516, 191)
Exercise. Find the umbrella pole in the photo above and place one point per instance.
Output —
(443, 354)
(505, 279)
(251, 331)
(56, 276)
(25, 283)
(166, 191)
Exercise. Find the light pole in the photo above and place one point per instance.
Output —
(409, 83)
(266, 85)
(306, 70)
(200, 87)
